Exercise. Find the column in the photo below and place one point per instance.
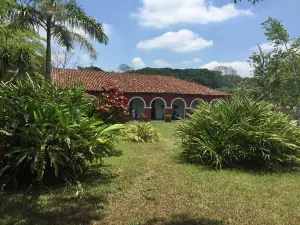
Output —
(148, 114)
(168, 111)
(187, 111)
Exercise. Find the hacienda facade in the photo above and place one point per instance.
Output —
(154, 96)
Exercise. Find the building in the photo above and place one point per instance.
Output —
(153, 95)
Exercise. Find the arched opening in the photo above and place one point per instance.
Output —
(214, 101)
(178, 109)
(137, 107)
(196, 102)
(158, 109)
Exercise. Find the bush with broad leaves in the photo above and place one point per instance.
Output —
(48, 133)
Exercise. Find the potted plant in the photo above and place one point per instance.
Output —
(143, 117)
(168, 118)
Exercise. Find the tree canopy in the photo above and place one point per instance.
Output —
(93, 68)
(21, 50)
(125, 68)
(209, 78)
(276, 73)
(60, 20)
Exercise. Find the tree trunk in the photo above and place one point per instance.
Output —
(48, 51)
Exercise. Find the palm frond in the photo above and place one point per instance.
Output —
(84, 44)
(69, 39)
(26, 16)
(63, 36)
(75, 17)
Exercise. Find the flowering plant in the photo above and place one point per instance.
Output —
(113, 108)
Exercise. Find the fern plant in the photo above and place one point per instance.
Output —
(239, 132)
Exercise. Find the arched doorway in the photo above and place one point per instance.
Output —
(137, 104)
(196, 102)
(178, 108)
(158, 109)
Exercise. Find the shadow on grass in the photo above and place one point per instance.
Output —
(248, 167)
(58, 205)
(183, 219)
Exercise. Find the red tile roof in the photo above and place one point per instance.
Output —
(130, 83)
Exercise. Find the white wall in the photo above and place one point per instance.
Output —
(159, 110)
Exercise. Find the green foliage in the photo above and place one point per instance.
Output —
(248, 87)
(21, 50)
(209, 78)
(93, 68)
(125, 68)
(141, 132)
(4, 6)
(239, 133)
(47, 132)
(276, 76)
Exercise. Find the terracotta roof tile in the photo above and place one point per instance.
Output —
(130, 83)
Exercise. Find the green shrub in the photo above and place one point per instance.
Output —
(239, 133)
(141, 132)
(48, 133)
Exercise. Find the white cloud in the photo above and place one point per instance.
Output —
(138, 62)
(181, 41)
(161, 64)
(194, 60)
(243, 68)
(268, 47)
(162, 13)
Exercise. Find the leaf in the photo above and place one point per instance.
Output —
(20, 159)
(3, 170)
(68, 141)
(5, 132)
(90, 124)
(36, 117)
(115, 127)
(18, 151)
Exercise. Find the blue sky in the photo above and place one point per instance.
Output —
(184, 33)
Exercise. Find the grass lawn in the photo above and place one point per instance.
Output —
(149, 185)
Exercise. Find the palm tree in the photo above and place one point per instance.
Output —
(60, 19)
